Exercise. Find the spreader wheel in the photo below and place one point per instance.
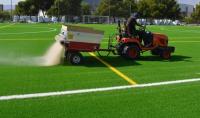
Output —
(132, 52)
(166, 55)
(75, 58)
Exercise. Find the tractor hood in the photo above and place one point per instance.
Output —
(160, 39)
(160, 36)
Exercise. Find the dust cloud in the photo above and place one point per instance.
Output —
(53, 56)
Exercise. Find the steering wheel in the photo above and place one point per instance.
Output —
(143, 28)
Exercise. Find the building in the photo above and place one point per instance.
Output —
(1, 7)
(186, 9)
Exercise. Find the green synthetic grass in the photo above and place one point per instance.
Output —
(29, 79)
(32, 40)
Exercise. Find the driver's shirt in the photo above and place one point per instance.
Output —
(131, 25)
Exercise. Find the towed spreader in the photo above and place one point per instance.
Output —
(77, 39)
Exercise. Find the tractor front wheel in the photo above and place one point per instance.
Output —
(166, 55)
(132, 52)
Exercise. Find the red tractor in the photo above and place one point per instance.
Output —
(131, 47)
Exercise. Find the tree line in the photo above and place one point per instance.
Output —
(146, 8)
(51, 7)
(159, 9)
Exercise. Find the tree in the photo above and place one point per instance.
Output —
(145, 8)
(119, 8)
(161, 9)
(75, 7)
(65, 7)
(26, 8)
(85, 8)
(129, 6)
(43, 5)
(57, 8)
(21, 8)
(168, 9)
(4, 15)
(196, 14)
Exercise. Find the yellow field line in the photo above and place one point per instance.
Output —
(6, 26)
(114, 70)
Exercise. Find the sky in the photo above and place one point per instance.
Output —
(7, 2)
(192, 2)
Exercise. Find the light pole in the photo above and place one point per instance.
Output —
(109, 11)
(58, 9)
(130, 9)
(11, 10)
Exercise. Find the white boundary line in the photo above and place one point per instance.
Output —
(50, 30)
(1, 27)
(184, 41)
(176, 42)
(59, 93)
(25, 39)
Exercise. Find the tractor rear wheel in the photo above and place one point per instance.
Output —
(75, 58)
(166, 55)
(132, 52)
(155, 51)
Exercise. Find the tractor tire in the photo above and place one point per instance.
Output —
(75, 58)
(166, 55)
(132, 52)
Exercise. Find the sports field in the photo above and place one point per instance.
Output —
(21, 42)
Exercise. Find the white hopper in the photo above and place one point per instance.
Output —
(80, 34)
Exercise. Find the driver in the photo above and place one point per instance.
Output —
(132, 31)
(131, 25)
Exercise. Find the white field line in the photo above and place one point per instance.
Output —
(102, 42)
(174, 38)
(181, 30)
(25, 39)
(175, 42)
(59, 93)
(184, 41)
(50, 30)
(6, 26)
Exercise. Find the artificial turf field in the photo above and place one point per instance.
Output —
(19, 41)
